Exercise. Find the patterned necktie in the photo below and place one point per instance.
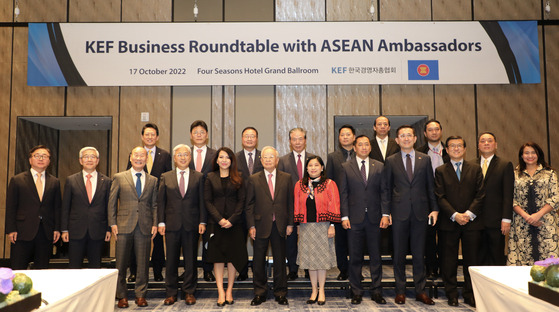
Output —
(181, 184)
(250, 163)
(409, 168)
(484, 167)
(149, 164)
(39, 185)
(199, 160)
(89, 187)
(435, 160)
(458, 170)
(271, 185)
(299, 166)
(383, 148)
(348, 157)
(363, 171)
(139, 185)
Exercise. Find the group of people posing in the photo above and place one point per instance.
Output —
(315, 215)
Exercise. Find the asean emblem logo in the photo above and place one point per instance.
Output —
(423, 70)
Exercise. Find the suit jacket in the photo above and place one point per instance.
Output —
(356, 195)
(391, 148)
(161, 163)
(208, 165)
(405, 196)
(78, 215)
(126, 209)
(499, 188)
(334, 166)
(23, 207)
(227, 202)
(459, 196)
(288, 164)
(176, 211)
(425, 150)
(242, 165)
(260, 207)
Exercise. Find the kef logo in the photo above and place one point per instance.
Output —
(423, 70)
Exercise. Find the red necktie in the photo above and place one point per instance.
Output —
(88, 187)
(299, 167)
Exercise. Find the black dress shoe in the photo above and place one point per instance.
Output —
(242, 277)
(356, 299)
(257, 300)
(470, 301)
(342, 276)
(321, 302)
(281, 300)
(378, 299)
(292, 276)
(311, 301)
(229, 302)
(307, 276)
(221, 304)
(158, 277)
(453, 302)
(209, 277)
(131, 278)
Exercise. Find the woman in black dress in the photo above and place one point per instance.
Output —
(224, 196)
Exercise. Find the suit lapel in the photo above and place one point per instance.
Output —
(401, 168)
(131, 182)
(264, 181)
(81, 185)
(357, 169)
(491, 166)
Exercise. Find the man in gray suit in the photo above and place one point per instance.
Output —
(410, 186)
(133, 221)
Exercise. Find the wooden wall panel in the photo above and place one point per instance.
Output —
(407, 100)
(349, 10)
(146, 10)
(190, 104)
(552, 63)
(507, 9)
(42, 11)
(554, 14)
(249, 10)
(401, 10)
(134, 101)
(6, 14)
(255, 106)
(448, 10)
(295, 10)
(455, 109)
(94, 11)
(351, 100)
(208, 11)
(5, 90)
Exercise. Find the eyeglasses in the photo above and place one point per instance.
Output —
(252, 136)
(89, 157)
(201, 132)
(41, 156)
(183, 155)
(455, 145)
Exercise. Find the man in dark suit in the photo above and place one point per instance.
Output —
(460, 193)
(33, 212)
(269, 214)
(182, 218)
(133, 218)
(202, 161)
(248, 162)
(158, 162)
(381, 145)
(294, 164)
(362, 200)
(84, 211)
(433, 131)
(409, 183)
(497, 207)
(346, 137)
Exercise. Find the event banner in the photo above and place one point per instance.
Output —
(282, 53)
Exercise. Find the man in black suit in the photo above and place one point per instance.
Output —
(202, 161)
(84, 211)
(410, 185)
(33, 212)
(269, 211)
(346, 137)
(433, 131)
(182, 218)
(460, 193)
(497, 207)
(362, 200)
(294, 164)
(381, 145)
(158, 162)
(248, 162)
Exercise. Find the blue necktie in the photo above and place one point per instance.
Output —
(458, 169)
(139, 184)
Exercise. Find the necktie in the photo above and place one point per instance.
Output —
(458, 170)
(271, 185)
(150, 162)
(250, 163)
(435, 160)
(484, 167)
(348, 157)
(181, 184)
(383, 148)
(199, 160)
(39, 185)
(409, 168)
(139, 185)
(88, 187)
(363, 171)
(299, 166)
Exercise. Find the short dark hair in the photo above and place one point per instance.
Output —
(375, 123)
(249, 128)
(350, 127)
(487, 132)
(455, 137)
(150, 125)
(33, 149)
(539, 152)
(199, 123)
(405, 127)
(361, 136)
(430, 121)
